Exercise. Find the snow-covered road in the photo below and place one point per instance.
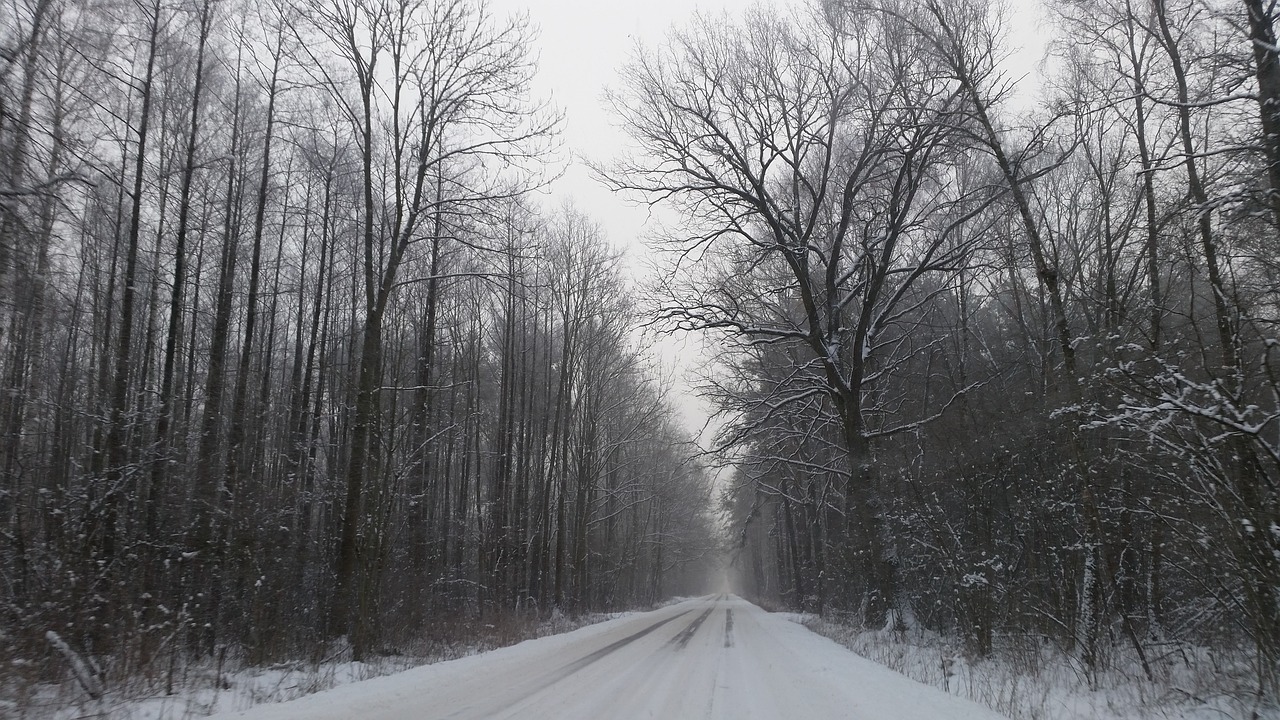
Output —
(713, 657)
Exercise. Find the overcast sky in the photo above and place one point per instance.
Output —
(581, 45)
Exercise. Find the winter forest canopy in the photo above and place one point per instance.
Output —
(293, 351)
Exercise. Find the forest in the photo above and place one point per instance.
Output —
(992, 363)
(290, 354)
(295, 354)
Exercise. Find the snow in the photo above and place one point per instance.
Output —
(1033, 679)
(714, 657)
(229, 684)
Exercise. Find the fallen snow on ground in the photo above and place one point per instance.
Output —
(201, 690)
(1029, 681)
(715, 657)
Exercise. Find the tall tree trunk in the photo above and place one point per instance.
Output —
(161, 460)
(1266, 60)
(368, 376)
(240, 419)
(209, 493)
(117, 448)
(1199, 196)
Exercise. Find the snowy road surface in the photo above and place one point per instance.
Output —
(713, 657)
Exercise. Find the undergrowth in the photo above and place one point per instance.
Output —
(229, 682)
(1027, 678)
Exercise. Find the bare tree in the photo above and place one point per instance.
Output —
(820, 164)
(450, 83)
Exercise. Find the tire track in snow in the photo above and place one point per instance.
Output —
(586, 660)
(573, 667)
(681, 640)
(728, 628)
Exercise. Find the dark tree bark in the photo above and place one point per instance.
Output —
(1266, 61)
(173, 335)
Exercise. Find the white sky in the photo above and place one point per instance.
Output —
(582, 44)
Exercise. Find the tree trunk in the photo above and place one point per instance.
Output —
(1266, 60)
(173, 335)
